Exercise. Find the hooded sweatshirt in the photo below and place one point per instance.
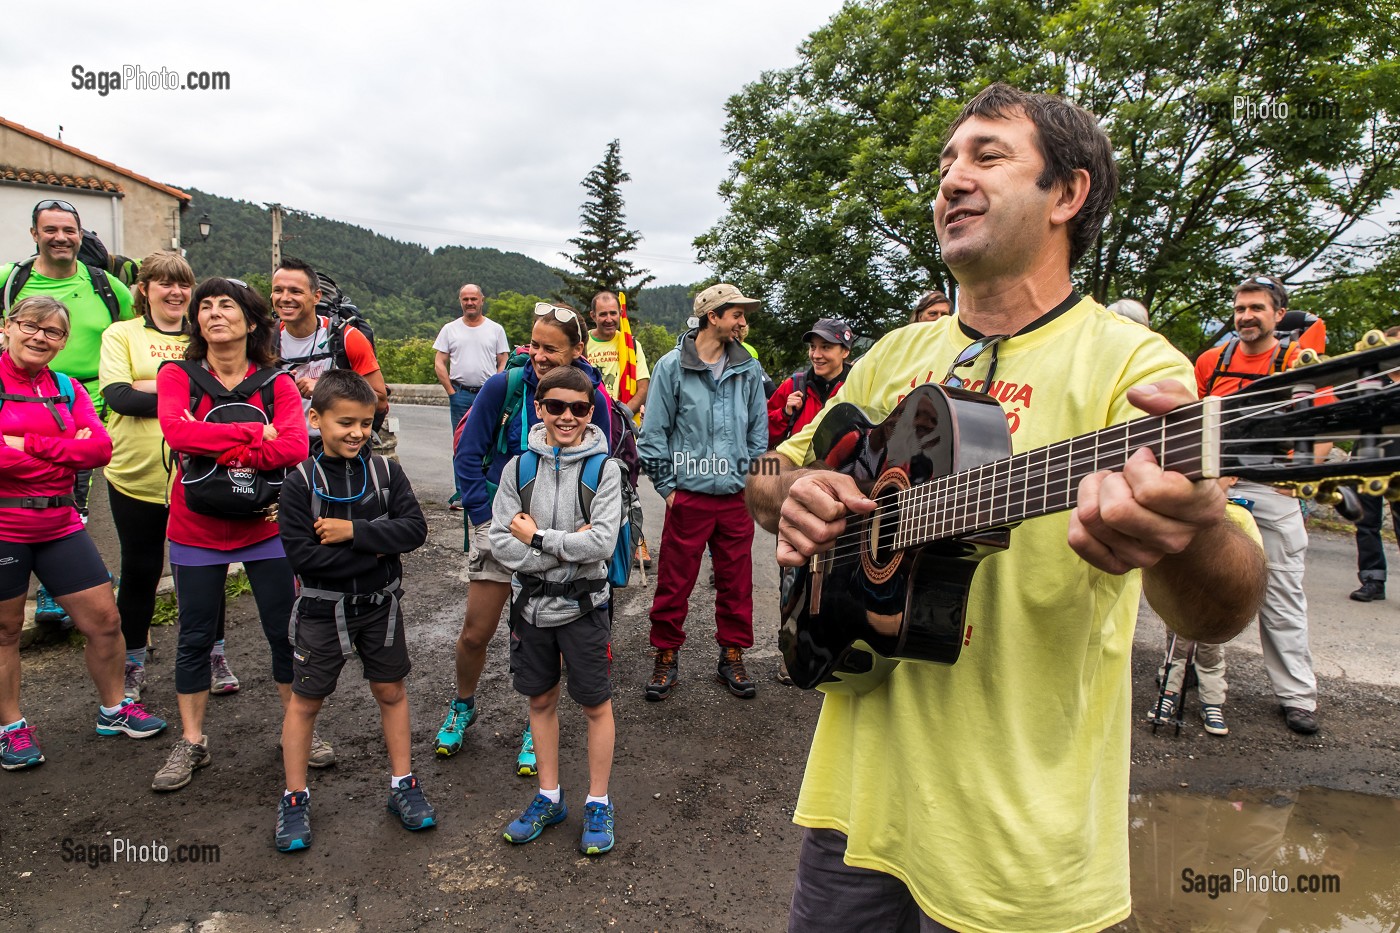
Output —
(566, 553)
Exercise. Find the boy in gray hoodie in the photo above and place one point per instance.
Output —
(557, 545)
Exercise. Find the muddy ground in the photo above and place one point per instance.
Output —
(704, 786)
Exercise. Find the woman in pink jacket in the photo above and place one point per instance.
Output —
(232, 337)
(50, 431)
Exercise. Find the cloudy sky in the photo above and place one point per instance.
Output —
(469, 123)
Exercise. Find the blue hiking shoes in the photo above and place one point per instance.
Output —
(294, 822)
(130, 718)
(18, 748)
(460, 714)
(540, 813)
(525, 763)
(597, 829)
(408, 803)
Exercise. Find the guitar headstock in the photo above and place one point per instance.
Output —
(1271, 430)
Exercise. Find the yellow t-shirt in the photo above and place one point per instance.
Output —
(606, 357)
(132, 351)
(997, 788)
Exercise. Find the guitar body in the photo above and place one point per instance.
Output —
(851, 614)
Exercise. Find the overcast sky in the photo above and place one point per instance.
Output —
(469, 123)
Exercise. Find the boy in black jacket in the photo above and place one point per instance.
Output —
(345, 519)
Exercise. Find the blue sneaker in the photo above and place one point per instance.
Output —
(525, 764)
(597, 829)
(540, 813)
(47, 611)
(132, 719)
(294, 822)
(18, 748)
(408, 803)
(449, 737)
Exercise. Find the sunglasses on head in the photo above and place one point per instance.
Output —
(240, 283)
(969, 355)
(557, 406)
(563, 315)
(54, 204)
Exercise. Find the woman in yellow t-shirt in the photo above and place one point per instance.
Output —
(137, 480)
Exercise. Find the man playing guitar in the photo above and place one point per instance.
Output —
(993, 794)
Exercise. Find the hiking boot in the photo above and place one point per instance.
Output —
(221, 679)
(293, 822)
(322, 755)
(733, 675)
(525, 764)
(18, 748)
(179, 768)
(1301, 721)
(1370, 591)
(134, 681)
(131, 717)
(663, 676)
(598, 834)
(459, 716)
(783, 677)
(408, 803)
(1165, 710)
(1214, 719)
(540, 813)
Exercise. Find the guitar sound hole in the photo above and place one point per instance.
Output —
(883, 530)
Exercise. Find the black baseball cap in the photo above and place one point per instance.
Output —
(831, 329)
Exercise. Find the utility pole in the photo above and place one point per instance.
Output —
(276, 235)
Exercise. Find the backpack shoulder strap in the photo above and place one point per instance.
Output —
(103, 286)
(14, 283)
(799, 381)
(379, 474)
(526, 466)
(1222, 363)
(515, 401)
(65, 388)
(202, 382)
(306, 468)
(588, 479)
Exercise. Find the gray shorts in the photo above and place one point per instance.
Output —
(833, 897)
(586, 645)
(480, 564)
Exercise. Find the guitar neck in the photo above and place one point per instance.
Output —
(1046, 480)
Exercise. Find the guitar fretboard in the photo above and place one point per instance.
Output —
(1045, 480)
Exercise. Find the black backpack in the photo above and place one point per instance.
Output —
(20, 272)
(234, 490)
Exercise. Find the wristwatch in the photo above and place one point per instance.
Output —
(537, 542)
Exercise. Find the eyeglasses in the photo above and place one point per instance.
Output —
(562, 315)
(556, 407)
(51, 204)
(969, 355)
(31, 328)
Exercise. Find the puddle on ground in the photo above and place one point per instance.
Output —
(1310, 860)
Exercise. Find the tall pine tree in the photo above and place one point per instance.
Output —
(604, 241)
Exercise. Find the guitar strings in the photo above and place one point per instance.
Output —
(963, 485)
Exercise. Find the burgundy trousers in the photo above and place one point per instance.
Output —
(694, 520)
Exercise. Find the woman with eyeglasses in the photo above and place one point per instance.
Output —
(50, 431)
(232, 337)
(137, 480)
(497, 429)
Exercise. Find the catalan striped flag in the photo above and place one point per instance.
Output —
(627, 378)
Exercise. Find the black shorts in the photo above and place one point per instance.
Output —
(585, 643)
(65, 565)
(317, 658)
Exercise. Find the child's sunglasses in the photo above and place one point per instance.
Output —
(556, 407)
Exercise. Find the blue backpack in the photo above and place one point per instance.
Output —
(630, 531)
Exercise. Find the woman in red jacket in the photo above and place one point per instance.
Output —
(803, 394)
(232, 336)
(48, 431)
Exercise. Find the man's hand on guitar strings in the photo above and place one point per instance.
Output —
(814, 514)
(1135, 518)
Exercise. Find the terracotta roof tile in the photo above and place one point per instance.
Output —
(38, 177)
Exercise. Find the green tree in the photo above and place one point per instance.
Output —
(830, 195)
(655, 341)
(406, 362)
(604, 240)
(516, 313)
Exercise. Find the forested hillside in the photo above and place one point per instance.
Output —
(405, 289)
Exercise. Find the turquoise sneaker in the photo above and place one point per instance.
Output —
(293, 822)
(18, 748)
(131, 718)
(525, 764)
(598, 834)
(540, 813)
(460, 714)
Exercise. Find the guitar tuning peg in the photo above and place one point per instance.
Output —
(1375, 485)
(1307, 357)
(1305, 490)
(1392, 490)
(1328, 494)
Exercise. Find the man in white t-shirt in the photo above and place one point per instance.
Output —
(470, 349)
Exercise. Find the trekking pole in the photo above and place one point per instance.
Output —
(1162, 686)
